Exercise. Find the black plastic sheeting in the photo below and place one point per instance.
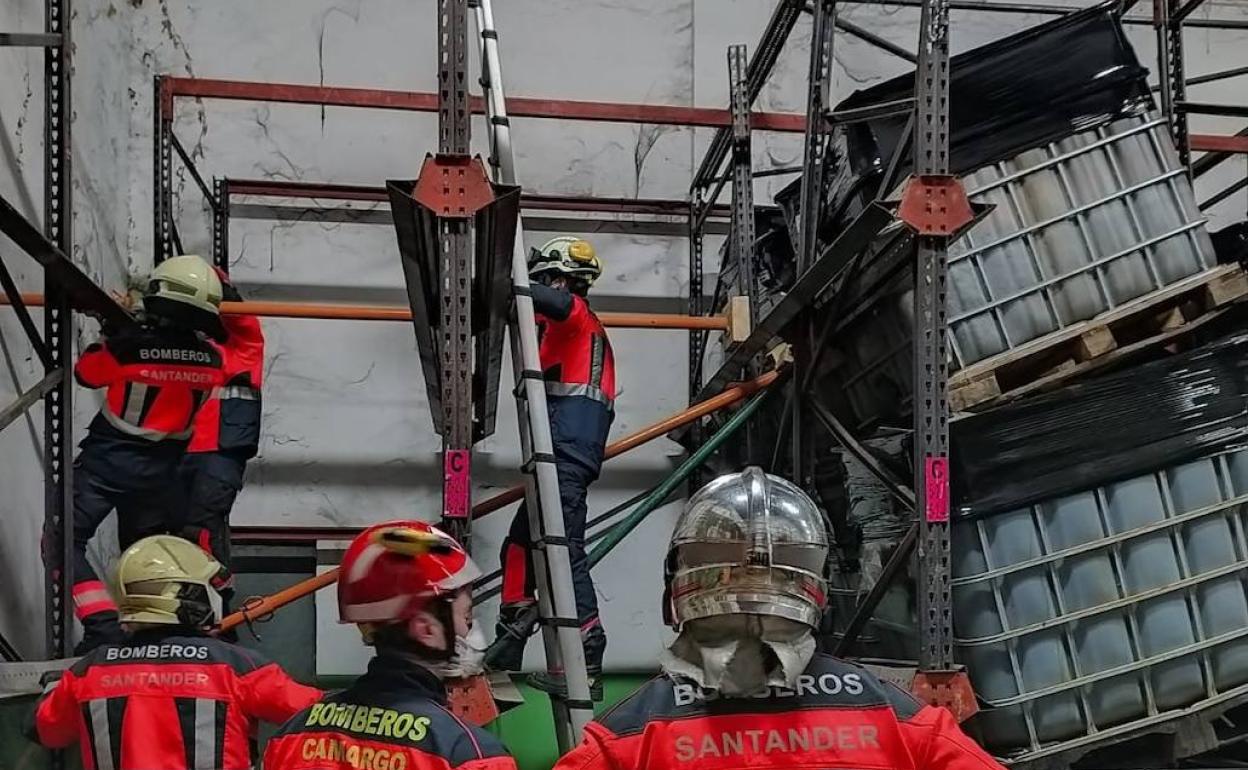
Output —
(1020, 92)
(1119, 426)
(1230, 244)
(1023, 91)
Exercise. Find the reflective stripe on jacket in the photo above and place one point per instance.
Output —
(157, 380)
(167, 702)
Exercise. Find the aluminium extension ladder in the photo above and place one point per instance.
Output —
(551, 566)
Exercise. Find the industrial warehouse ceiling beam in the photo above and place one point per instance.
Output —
(415, 101)
(1042, 9)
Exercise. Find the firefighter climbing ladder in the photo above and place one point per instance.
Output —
(551, 565)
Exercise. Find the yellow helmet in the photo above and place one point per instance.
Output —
(167, 580)
(566, 255)
(187, 279)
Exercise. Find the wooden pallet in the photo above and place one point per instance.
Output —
(1129, 329)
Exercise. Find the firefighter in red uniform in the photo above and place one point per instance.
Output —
(408, 586)
(742, 685)
(158, 374)
(226, 435)
(579, 368)
(170, 697)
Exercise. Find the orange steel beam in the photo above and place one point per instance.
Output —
(517, 106)
(395, 313)
(1212, 143)
(728, 397)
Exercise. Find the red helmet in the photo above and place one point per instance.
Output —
(393, 570)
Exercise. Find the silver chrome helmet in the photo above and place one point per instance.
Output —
(750, 543)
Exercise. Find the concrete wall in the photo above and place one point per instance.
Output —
(347, 435)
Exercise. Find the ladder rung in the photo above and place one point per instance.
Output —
(538, 457)
(559, 540)
(526, 374)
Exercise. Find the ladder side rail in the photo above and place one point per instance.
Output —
(558, 603)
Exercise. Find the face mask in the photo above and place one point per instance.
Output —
(468, 658)
(740, 655)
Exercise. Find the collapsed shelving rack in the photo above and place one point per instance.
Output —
(67, 289)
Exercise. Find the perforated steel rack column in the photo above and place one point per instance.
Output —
(1169, 17)
(561, 635)
(741, 240)
(221, 223)
(58, 335)
(455, 352)
(935, 205)
(162, 170)
(818, 102)
(697, 339)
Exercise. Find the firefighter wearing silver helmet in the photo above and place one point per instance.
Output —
(742, 684)
(745, 583)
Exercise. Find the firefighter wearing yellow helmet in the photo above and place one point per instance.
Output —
(168, 691)
(579, 368)
(157, 373)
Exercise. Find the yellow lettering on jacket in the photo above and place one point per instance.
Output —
(369, 720)
(344, 750)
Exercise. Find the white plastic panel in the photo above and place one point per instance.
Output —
(1106, 607)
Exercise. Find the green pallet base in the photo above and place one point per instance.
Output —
(529, 732)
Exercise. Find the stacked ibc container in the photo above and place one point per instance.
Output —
(1100, 559)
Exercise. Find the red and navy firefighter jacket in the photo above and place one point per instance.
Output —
(578, 366)
(163, 701)
(230, 420)
(157, 379)
(837, 716)
(393, 718)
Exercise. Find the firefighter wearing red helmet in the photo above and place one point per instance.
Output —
(742, 684)
(408, 586)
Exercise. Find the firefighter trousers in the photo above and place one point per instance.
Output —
(142, 487)
(211, 481)
(518, 580)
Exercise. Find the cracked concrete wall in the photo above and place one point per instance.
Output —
(347, 435)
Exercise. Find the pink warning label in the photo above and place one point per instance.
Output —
(456, 484)
(936, 471)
